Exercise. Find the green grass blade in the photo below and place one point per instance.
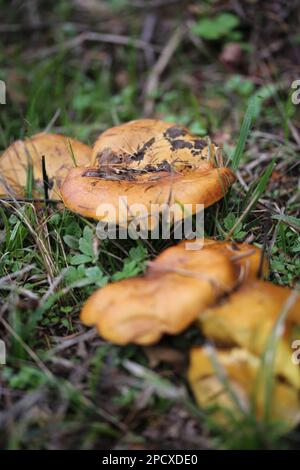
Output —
(251, 112)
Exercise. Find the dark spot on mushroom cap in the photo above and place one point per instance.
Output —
(174, 132)
(114, 173)
(199, 144)
(180, 144)
(139, 154)
(234, 246)
(107, 156)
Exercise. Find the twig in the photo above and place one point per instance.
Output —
(28, 200)
(52, 120)
(9, 277)
(93, 37)
(68, 343)
(29, 351)
(159, 67)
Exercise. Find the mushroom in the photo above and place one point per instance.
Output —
(59, 152)
(238, 387)
(140, 310)
(249, 258)
(246, 318)
(149, 162)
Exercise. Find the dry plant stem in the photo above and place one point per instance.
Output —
(11, 276)
(93, 37)
(29, 351)
(42, 244)
(159, 67)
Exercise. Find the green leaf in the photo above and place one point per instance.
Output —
(239, 234)
(66, 309)
(229, 221)
(217, 27)
(80, 259)
(86, 247)
(96, 276)
(138, 253)
(72, 242)
(240, 85)
(72, 275)
(262, 94)
(134, 264)
(88, 233)
(73, 229)
(65, 322)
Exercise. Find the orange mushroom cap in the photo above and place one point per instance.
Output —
(137, 144)
(140, 310)
(249, 258)
(244, 380)
(58, 151)
(149, 162)
(246, 318)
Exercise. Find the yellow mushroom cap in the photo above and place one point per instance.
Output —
(244, 380)
(59, 152)
(140, 310)
(246, 318)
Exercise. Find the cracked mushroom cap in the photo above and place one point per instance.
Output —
(59, 152)
(149, 162)
(141, 309)
(244, 380)
(144, 142)
(247, 317)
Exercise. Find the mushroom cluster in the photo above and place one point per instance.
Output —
(220, 287)
(239, 387)
(254, 328)
(140, 310)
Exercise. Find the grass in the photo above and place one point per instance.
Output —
(62, 385)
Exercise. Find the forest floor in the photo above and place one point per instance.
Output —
(79, 67)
